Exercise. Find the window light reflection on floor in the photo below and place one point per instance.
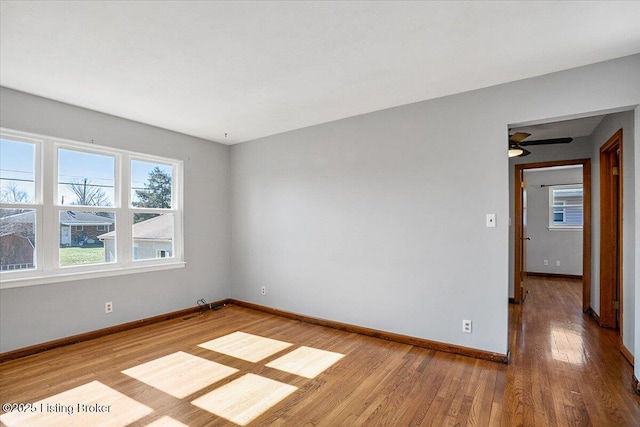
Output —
(241, 345)
(166, 422)
(243, 400)
(306, 361)
(180, 374)
(566, 345)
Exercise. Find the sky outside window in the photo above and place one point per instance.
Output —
(17, 171)
(85, 178)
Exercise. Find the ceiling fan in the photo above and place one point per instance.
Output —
(517, 142)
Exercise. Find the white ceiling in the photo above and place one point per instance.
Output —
(252, 69)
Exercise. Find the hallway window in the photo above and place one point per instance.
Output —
(565, 206)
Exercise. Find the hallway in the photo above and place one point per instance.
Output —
(564, 369)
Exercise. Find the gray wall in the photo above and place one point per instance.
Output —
(379, 220)
(35, 314)
(630, 274)
(552, 245)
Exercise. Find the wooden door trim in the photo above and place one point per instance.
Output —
(517, 274)
(586, 227)
(607, 225)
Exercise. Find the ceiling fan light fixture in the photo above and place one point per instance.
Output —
(515, 151)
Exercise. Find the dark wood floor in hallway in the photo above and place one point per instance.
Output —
(564, 370)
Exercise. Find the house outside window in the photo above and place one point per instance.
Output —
(566, 206)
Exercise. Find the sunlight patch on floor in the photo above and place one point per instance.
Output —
(244, 399)
(241, 345)
(566, 345)
(166, 422)
(90, 404)
(180, 374)
(306, 361)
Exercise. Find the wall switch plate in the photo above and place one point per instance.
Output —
(466, 326)
(108, 307)
(491, 220)
(546, 262)
(557, 263)
(263, 290)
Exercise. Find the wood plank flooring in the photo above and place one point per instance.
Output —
(564, 370)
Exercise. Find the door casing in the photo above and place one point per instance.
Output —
(586, 227)
(611, 188)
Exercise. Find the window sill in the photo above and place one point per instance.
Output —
(564, 228)
(33, 279)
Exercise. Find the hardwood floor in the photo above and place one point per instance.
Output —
(564, 370)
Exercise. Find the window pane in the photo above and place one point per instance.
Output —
(152, 236)
(85, 179)
(83, 239)
(558, 216)
(17, 239)
(567, 206)
(17, 172)
(151, 184)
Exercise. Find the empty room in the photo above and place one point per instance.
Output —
(355, 213)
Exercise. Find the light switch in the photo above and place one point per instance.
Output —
(491, 220)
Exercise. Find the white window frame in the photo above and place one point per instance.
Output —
(47, 206)
(558, 227)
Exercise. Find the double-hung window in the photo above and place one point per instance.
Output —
(566, 206)
(71, 210)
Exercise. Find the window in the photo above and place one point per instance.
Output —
(19, 207)
(565, 206)
(69, 208)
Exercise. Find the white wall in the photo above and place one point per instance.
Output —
(36, 314)
(630, 274)
(563, 245)
(379, 220)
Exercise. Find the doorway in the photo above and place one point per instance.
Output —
(520, 227)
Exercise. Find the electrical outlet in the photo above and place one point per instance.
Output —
(466, 326)
(557, 263)
(263, 290)
(108, 307)
(546, 262)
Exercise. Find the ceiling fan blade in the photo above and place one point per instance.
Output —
(525, 152)
(518, 136)
(546, 141)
